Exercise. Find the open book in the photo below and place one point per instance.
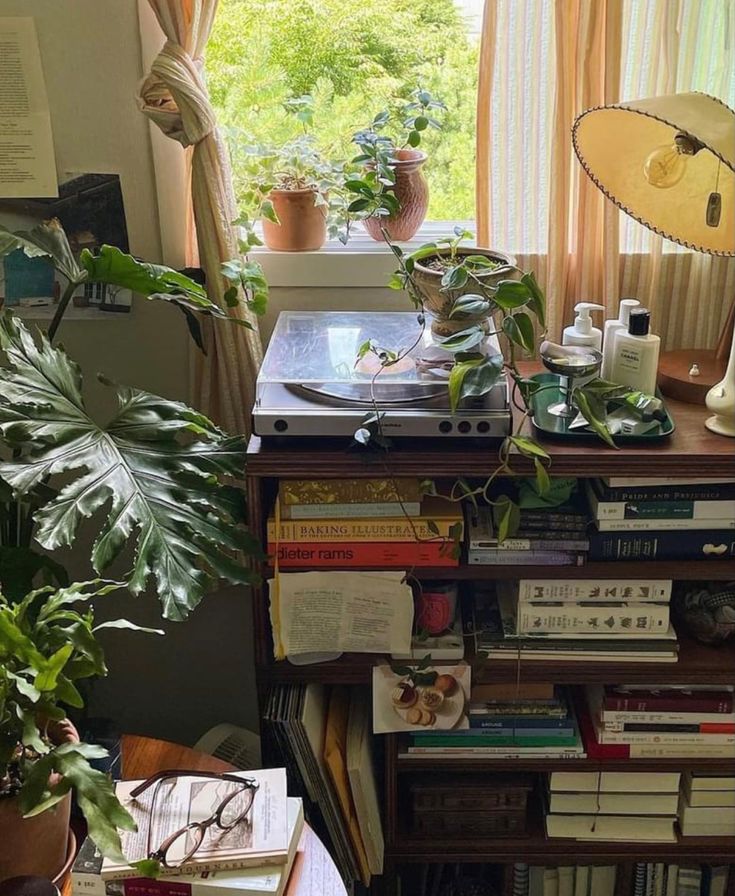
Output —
(261, 838)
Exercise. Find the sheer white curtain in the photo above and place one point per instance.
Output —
(543, 62)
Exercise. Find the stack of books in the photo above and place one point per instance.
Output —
(635, 806)
(563, 880)
(515, 726)
(343, 523)
(632, 721)
(545, 537)
(661, 519)
(680, 880)
(582, 620)
(707, 807)
(256, 857)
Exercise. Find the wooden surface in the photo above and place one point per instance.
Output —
(313, 873)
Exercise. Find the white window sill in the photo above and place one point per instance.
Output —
(363, 262)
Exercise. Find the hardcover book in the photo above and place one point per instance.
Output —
(705, 544)
(573, 590)
(345, 491)
(383, 555)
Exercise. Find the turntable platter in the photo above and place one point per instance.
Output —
(361, 394)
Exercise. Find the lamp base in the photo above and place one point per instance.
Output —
(723, 426)
(675, 382)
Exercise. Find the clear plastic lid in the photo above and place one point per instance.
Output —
(323, 347)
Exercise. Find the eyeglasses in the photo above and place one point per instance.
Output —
(180, 846)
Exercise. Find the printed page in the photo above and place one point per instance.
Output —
(359, 612)
(27, 163)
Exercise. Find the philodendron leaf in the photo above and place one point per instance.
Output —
(111, 265)
(593, 411)
(473, 378)
(45, 240)
(507, 516)
(155, 467)
(529, 447)
(537, 302)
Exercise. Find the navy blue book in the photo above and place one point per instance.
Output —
(483, 720)
(686, 544)
(480, 726)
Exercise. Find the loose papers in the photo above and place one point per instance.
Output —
(27, 164)
(323, 612)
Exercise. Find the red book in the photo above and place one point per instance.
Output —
(594, 749)
(667, 701)
(383, 555)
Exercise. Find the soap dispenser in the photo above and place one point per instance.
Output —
(612, 326)
(583, 333)
(635, 354)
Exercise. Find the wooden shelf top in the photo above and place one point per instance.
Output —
(697, 664)
(691, 450)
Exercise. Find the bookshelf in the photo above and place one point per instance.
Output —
(690, 451)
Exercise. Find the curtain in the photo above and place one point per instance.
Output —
(543, 62)
(174, 96)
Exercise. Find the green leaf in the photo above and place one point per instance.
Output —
(268, 212)
(458, 342)
(507, 517)
(519, 329)
(155, 466)
(455, 278)
(414, 138)
(125, 623)
(472, 378)
(537, 302)
(543, 483)
(47, 239)
(593, 411)
(421, 123)
(470, 304)
(529, 447)
(46, 678)
(116, 267)
(358, 205)
(511, 294)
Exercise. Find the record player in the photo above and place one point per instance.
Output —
(311, 382)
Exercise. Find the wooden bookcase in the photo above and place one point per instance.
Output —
(690, 451)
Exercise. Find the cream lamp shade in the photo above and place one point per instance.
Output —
(615, 143)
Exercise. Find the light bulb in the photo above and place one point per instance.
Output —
(665, 166)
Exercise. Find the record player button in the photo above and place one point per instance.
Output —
(483, 426)
(464, 426)
(280, 425)
(445, 426)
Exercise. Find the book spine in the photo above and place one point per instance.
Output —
(664, 525)
(499, 752)
(716, 703)
(672, 727)
(685, 510)
(339, 531)
(573, 618)
(364, 554)
(677, 751)
(348, 491)
(517, 543)
(199, 868)
(611, 717)
(339, 511)
(712, 492)
(510, 723)
(572, 590)
(692, 545)
(482, 739)
(528, 558)
(520, 730)
(643, 737)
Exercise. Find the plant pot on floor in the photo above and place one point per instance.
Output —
(39, 845)
(412, 192)
(438, 302)
(303, 225)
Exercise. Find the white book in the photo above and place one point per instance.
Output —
(582, 880)
(551, 881)
(689, 882)
(722, 816)
(604, 620)
(585, 656)
(701, 798)
(697, 781)
(672, 878)
(642, 828)
(614, 803)
(633, 482)
(658, 879)
(700, 829)
(570, 753)
(361, 772)
(536, 880)
(615, 782)
(566, 880)
(572, 590)
(602, 880)
(697, 510)
(667, 525)
(612, 717)
(605, 736)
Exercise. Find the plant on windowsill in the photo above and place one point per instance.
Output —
(293, 190)
(159, 475)
(390, 193)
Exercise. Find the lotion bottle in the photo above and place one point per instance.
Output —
(612, 326)
(635, 350)
(582, 332)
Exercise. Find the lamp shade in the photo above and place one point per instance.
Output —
(614, 144)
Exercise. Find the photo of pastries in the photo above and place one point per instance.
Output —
(420, 696)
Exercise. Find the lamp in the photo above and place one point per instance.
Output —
(669, 162)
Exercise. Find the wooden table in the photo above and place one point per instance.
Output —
(314, 872)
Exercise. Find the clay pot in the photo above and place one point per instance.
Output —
(303, 225)
(40, 845)
(438, 302)
(412, 192)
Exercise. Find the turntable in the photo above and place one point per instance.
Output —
(312, 384)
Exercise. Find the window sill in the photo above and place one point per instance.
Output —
(363, 262)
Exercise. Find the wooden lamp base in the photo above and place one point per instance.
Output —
(674, 379)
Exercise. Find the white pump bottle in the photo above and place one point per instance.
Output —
(612, 326)
(583, 333)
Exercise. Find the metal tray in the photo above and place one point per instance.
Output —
(549, 425)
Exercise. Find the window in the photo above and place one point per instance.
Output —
(352, 56)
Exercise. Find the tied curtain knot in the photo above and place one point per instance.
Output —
(175, 97)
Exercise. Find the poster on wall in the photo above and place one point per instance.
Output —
(27, 162)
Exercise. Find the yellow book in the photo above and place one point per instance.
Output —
(348, 491)
(437, 519)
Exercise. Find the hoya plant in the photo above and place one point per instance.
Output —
(48, 644)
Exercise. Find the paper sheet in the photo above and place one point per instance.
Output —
(359, 612)
(27, 163)
(314, 871)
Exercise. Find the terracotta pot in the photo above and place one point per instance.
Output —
(303, 225)
(412, 193)
(438, 302)
(39, 845)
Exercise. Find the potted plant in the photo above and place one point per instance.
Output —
(391, 192)
(155, 473)
(292, 189)
(47, 646)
